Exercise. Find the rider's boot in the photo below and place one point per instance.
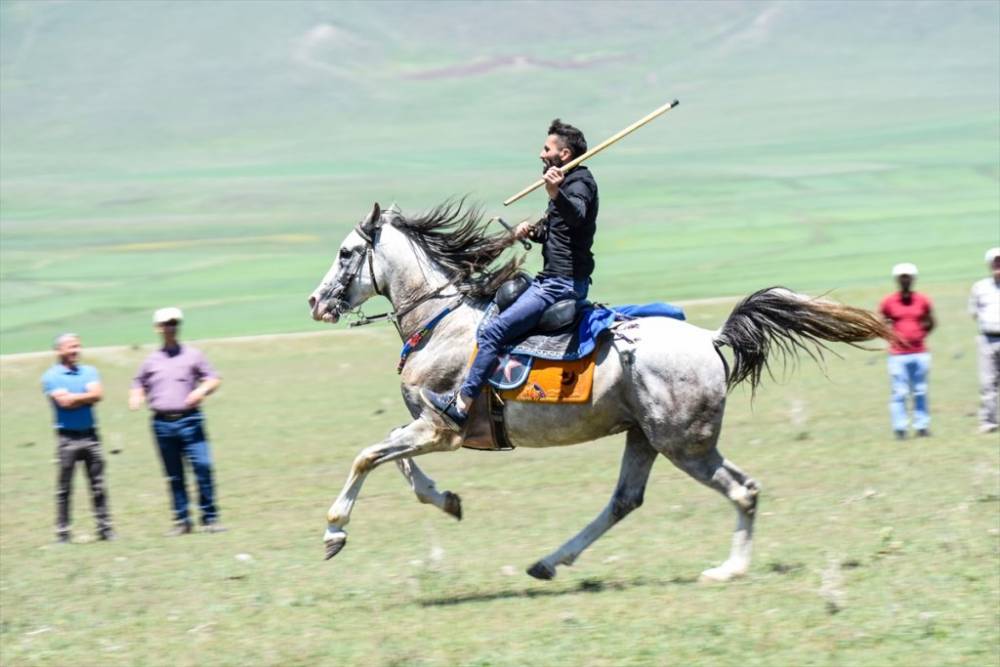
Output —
(446, 407)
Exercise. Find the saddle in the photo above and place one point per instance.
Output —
(558, 316)
(545, 367)
(561, 382)
(554, 364)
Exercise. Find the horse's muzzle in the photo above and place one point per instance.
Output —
(324, 310)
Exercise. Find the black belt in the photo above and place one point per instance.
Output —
(72, 433)
(173, 416)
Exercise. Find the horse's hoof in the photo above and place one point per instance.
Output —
(453, 504)
(542, 571)
(713, 576)
(719, 574)
(334, 543)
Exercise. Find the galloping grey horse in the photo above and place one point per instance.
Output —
(664, 384)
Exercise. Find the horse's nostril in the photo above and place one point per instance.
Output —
(312, 301)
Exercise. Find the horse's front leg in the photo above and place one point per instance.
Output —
(426, 492)
(418, 437)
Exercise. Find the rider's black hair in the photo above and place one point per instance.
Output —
(572, 138)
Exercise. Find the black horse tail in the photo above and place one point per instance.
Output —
(778, 319)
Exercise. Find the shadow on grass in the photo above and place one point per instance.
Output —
(585, 586)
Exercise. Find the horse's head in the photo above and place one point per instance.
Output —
(351, 279)
(413, 260)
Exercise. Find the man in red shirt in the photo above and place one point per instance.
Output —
(911, 316)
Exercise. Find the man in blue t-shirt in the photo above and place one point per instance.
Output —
(73, 389)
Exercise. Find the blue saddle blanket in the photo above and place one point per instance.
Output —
(574, 342)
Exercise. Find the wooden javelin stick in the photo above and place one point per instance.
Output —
(597, 149)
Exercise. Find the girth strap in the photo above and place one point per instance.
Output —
(498, 424)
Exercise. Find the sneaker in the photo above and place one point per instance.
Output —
(107, 535)
(923, 433)
(444, 406)
(900, 435)
(63, 538)
(988, 428)
(182, 528)
(213, 528)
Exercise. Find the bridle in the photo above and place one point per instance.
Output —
(370, 231)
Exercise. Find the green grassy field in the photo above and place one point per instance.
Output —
(906, 532)
(213, 155)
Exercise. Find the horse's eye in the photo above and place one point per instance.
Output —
(345, 253)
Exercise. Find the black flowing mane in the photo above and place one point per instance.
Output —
(455, 237)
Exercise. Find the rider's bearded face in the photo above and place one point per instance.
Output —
(554, 153)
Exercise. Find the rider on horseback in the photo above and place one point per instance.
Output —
(566, 234)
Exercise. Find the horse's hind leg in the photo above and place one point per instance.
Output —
(423, 487)
(637, 461)
(716, 472)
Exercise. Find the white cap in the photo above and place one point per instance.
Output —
(992, 254)
(904, 269)
(166, 314)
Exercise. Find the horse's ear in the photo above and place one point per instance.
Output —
(371, 223)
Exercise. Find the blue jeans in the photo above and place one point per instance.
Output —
(185, 438)
(519, 319)
(909, 376)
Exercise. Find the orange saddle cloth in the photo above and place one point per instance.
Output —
(555, 382)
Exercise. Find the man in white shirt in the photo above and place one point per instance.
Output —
(984, 306)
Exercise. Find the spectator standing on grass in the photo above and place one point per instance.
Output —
(174, 381)
(984, 306)
(911, 315)
(73, 389)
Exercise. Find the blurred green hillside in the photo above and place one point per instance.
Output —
(212, 155)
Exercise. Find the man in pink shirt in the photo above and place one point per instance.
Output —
(174, 381)
(911, 316)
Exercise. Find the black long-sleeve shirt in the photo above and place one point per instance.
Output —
(570, 224)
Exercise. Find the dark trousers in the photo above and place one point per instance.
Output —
(517, 320)
(180, 439)
(82, 446)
